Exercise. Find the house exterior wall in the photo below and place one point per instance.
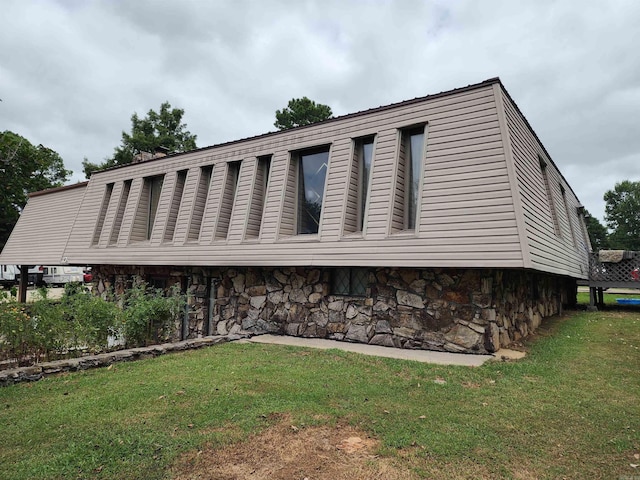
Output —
(455, 310)
(42, 232)
(466, 212)
(555, 235)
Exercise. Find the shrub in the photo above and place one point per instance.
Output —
(149, 316)
(95, 318)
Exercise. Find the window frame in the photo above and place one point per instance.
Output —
(299, 192)
(353, 281)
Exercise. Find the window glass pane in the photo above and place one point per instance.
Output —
(359, 281)
(155, 187)
(312, 174)
(366, 154)
(416, 143)
(341, 281)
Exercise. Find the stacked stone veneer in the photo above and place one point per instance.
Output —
(456, 310)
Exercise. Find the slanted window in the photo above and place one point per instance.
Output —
(200, 202)
(547, 187)
(228, 197)
(122, 204)
(409, 175)
(103, 213)
(359, 185)
(566, 209)
(259, 196)
(174, 208)
(312, 173)
(147, 208)
(350, 281)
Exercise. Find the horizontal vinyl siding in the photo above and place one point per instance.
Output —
(551, 250)
(466, 216)
(43, 228)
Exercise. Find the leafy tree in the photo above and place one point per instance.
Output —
(24, 168)
(301, 111)
(598, 235)
(157, 129)
(622, 214)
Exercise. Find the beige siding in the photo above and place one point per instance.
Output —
(227, 201)
(351, 204)
(551, 248)
(176, 183)
(141, 218)
(288, 220)
(246, 185)
(43, 229)
(474, 203)
(199, 203)
(103, 213)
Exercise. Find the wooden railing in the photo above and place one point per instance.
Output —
(624, 273)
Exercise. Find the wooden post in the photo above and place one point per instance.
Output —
(600, 297)
(592, 299)
(24, 281)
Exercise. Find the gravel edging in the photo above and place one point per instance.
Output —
(41, 370)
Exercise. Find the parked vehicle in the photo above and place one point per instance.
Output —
(8, 276)
(57, 275)
(35, 275)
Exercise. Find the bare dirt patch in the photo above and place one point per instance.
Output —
(285, 451)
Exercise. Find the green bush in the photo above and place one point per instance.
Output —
(81, 321)
(94, 317)
(16, 331)
(149, 316)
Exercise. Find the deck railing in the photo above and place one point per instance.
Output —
(608, 269)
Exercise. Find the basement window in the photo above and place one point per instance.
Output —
(350, 281)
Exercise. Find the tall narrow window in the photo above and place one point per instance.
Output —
(566, 209)
(228, 197)
(147, 208)
(312, 173)
(409, 174)
(358, 185)
(103, 213)
(200, 202)
(547, 187)
(155, 188)
(258, 199)
(122, 204)
(174, 208)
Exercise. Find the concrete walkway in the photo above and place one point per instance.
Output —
(426, 356)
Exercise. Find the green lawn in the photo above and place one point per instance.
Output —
(570, 409)
(609, 298)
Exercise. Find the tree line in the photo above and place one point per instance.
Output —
(26, 168)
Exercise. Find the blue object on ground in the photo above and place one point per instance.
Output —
(628, 301)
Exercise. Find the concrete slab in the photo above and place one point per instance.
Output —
(426, 356)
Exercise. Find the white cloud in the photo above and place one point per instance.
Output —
(72, 72)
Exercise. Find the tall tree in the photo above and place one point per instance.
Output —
(598, 235)
(301, 111)
(622, 215)
(157, 129)
(24, 168)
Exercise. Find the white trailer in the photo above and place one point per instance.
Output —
(58, 275)
(8, 275)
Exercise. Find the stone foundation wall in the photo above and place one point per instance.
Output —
(455, 310)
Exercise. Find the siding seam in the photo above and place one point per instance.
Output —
(513, 181)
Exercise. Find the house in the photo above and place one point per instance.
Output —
(437, 223)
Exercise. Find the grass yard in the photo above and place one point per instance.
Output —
(570, 409)
(609, 298)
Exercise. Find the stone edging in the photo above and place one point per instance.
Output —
(41, 370)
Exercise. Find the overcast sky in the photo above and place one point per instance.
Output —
(73, 72)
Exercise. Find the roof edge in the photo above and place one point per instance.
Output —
(474, 86)
(58, 189)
